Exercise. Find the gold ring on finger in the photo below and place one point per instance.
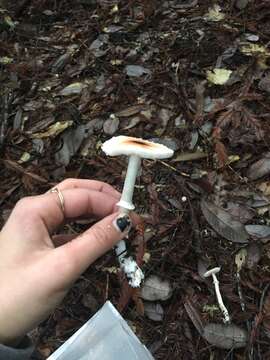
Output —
(60, 197)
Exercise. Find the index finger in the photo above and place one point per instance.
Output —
(77, 203)
(72, 183)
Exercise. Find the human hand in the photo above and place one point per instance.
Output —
(37, 269)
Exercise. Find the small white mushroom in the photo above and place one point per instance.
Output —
(213, 272)
(136, 149)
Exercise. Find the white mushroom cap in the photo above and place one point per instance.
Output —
(212, 271)
(126, 145)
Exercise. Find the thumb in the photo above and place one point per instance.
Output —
(76, 255)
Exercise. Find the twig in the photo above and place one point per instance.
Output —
(6, 99)
(240, 293)
(173, 168)
(200, 90)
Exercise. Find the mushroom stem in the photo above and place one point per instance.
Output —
(128, 264)
(220, 301)
(121, 249)
(125, 204)
(136, 149)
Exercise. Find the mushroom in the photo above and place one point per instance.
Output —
(213, 272)
(136, 149)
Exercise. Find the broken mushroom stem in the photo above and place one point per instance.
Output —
(136, 149)
(213, 272)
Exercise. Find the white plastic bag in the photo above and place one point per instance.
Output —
(105, 336)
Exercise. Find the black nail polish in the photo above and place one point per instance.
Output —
(123, 222)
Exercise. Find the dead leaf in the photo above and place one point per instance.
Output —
(261, 232)
(254, 254)
(218, 76)
(266, 318)
(264, 187)
(194, 140)
(72, 140)
(90, 302)
(167, 141)
(221, 152)
(111, 125)
(225, 336)
(190, 156)
(111, 269)
(164, 115)
(241, 4)
(154, 311)
(66, 325)
(250, 49)
(264, 83)
(28, 174)
(260, 168)
(154, 288)
(131, 110)
(136, 297)
(45, 350)
(240, 212)
(136, 70)
(72, 89)
(214, 14)
(4, 60)
(240, 259)
(223, 223)
(53, 130)
(125, 292)
(202, 266)
(194, 316)
(24, 158)
(133, 122)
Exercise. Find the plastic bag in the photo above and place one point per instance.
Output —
(105, 336)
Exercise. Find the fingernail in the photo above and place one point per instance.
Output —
(122, 223)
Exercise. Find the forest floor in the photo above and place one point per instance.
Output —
(192, 74)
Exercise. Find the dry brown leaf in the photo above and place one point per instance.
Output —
(254, 254)
(266, 318)
(223, 223)
(260, 168)
(221, 152)
(131, 110)
(194, 316)
(225, 336)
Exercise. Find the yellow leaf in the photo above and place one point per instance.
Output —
(9, 22)
(146, 257)
(218, 76)
(264, 187)
(110, 270)
(115, 9)
(233, 158)
(240, 258)
(5, 60)
(159, 132)
(53, 130)
(251, 49)
(24, 158)
(215, 14)
(116, 62)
